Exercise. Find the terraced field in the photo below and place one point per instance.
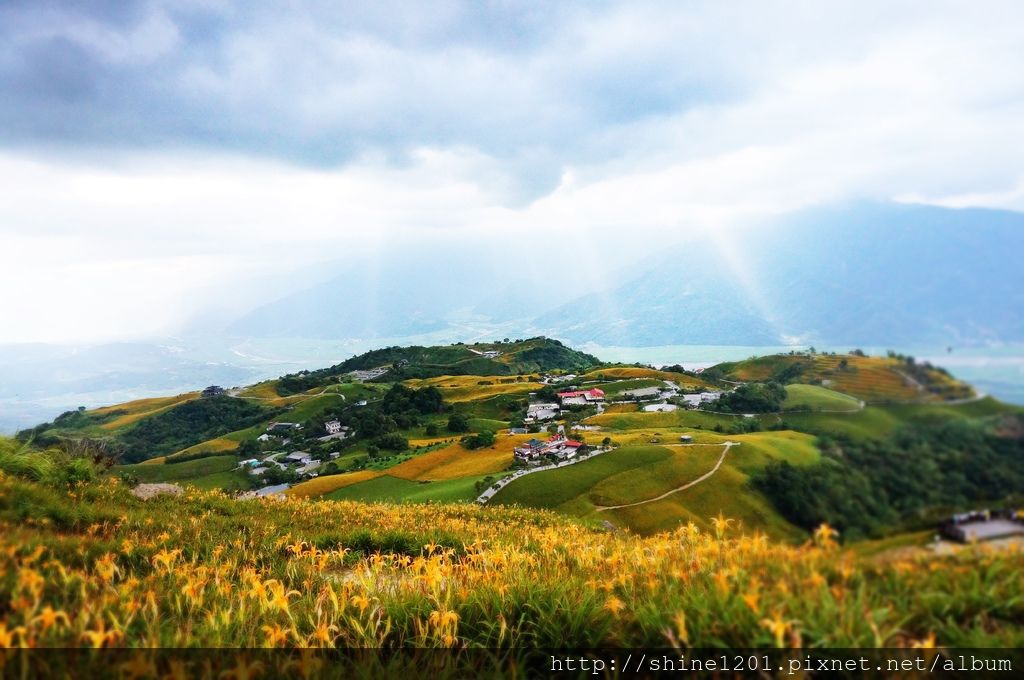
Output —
(456, 388)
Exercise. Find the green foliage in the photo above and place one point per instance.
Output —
(52, 466)
(866, 486)
(458, 423)
(478, 441)
(392, 442)
(752, 398)
(189, 424)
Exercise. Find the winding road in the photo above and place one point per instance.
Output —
(725, 449)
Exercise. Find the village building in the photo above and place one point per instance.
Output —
(370, 374)
(982, 525)
(581, 398)
(539, 412)
(557, 445)
(265, 437)
(257, 471)
(298, 457)
(642, 393)
(695, 400)
(332, 427)
(283, 427)
(213, 391)
(249, 462)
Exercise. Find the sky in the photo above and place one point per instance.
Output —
(159, 160)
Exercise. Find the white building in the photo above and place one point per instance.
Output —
(332, 427)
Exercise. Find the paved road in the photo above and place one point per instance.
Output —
(706, 475)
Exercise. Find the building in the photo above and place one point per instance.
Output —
(982, 526)
(213, 391)
(264, 437)
(516, 430)
(332, 427)
(299, 457)
(275, 428)
(250, 462)
(695, 400)
(557, 446)
(370, 374)
(686, 439)
(642, 393)
(581, 397)
(539, 412)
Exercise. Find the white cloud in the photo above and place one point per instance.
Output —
(607, 132)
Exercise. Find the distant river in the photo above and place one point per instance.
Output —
(997, 370)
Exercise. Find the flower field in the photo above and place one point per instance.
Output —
(93, 566)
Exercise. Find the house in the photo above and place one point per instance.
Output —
(264, 437)
(332, 427)
(642, 393)
(686, 439)
(213, 391)
(538, 412)
(695, 400)
(257, 471)
(370, 374)
(590, 396)
(309, 467)
(299, 457)
(516, 430)
(249, 462)
(982, 525)
(361, 402)
(559, 378)
(283, 427)
(556, 445)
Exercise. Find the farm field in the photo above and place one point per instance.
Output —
(814, 398)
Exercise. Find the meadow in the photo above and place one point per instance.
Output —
(92, 566)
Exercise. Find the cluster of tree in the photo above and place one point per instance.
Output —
(480, 440)
(189, 424)
(69, 420)
(297, 383)
(864, 487)
(766, 397)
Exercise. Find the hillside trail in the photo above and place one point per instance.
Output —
(721, 459)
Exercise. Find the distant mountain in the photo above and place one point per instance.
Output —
(892, 274)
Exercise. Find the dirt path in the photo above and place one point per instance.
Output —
(706, 475)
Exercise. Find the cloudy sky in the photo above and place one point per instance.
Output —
(160, 157)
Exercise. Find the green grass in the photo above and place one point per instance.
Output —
(814, 398)
(615, 388)
(552, 488)
(876, 422)
(214, 472)
(392, 489)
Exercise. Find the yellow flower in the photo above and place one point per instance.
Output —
(276, 635)
(49, 618)
(8, 636)
(614, 605)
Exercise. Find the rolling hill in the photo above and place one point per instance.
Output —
(647, 471)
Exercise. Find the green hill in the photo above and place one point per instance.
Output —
(411, 417)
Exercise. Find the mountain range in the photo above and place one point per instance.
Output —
(872, 274)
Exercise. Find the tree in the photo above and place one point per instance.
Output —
(248, 448)
(478, 441)
(393, 442)
(458, 423)
(431, 429)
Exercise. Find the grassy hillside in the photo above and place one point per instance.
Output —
(814, 398)
(203, 570)
(404, 450)
(873, 379)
